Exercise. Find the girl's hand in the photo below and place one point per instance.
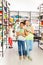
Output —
(26, 32)
(23, 34)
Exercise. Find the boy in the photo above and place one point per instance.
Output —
(21, 41)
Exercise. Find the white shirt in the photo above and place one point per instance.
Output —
(10, 33)
(20, 37)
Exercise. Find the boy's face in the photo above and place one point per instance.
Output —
(21, 25)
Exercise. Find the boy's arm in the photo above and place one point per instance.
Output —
(18, 33)
(23, 34)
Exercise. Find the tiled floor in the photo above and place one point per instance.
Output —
(11, 57)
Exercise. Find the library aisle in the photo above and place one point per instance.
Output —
(11, 57)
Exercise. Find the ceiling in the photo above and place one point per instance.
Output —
(24, 5)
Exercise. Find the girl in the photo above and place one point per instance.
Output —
(29, 31)
(10, 41)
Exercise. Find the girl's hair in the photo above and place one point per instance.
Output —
(25, 22)
(10, 25)
(17, 20)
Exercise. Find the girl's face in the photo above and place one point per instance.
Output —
(27, 23)
(9, 27)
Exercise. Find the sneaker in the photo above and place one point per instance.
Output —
(24, 57)
(20, 57)
(10, 47)
(29, 58)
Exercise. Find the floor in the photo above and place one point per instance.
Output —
(11, 57)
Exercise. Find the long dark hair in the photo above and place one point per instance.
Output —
(25, 22)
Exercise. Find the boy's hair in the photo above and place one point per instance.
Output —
(22, 23)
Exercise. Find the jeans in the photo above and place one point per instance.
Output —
(29, 46)
(21, 47)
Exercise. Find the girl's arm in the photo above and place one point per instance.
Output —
(23, 34)
(31, 30)
(26, 32)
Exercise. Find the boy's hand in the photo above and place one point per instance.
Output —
(18, 33)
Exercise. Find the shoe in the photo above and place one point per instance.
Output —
(29, 58)
(10, 47)
(20, 57)
(24, 57)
